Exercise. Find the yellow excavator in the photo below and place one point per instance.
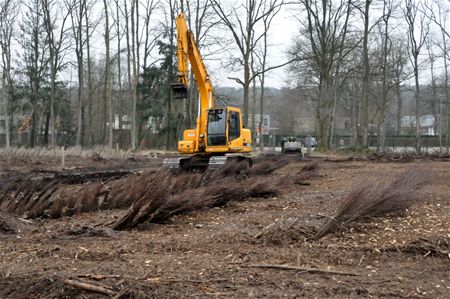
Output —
(219, 135)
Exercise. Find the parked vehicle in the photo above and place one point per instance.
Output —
(310, 143)
(291, 145)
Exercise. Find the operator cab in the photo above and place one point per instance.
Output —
(218, 125)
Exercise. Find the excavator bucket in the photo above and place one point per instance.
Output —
(179, 91)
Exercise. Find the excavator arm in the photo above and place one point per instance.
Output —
(188, 52)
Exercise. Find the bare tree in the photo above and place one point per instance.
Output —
(243, 27)
(35, 60)
(267, 22)
(134, 80)
(88, 31)
(148, 33)
(108, 92)
(398, 62)
(435, 104)
(388, 9)
(120, 94)
(8, 14)
(322, 54)
(131, 31)
(254, 94)
(170, 33)
(440, 20)
(57, 36)
(418, 30)
(126, 15)
(446, 58)
(77, 12)
(366, 76)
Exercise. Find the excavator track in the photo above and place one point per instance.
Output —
(203, 162)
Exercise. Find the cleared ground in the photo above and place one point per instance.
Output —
(223, 252)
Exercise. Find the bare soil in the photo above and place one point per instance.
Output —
(222, 252)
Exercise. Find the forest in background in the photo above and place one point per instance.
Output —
(91, 72)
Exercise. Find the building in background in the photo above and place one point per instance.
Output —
(427, 125)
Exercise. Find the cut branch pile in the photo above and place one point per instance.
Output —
(35, 193)
(153, 196)
(224, 185)
(66, 194)
(374, 199)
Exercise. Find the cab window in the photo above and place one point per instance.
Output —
(216, 127)
(234, 126)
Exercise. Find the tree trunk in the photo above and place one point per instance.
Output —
(138, 136)
(108, 93)
(354, 121)
(79, 53)
(365, 89)
(385, 83)
(418, 102)
(130, 85)
(7, 22)
(446, 91)
(53, 61)
(246, 87)
(447, 101)
(5, 111)
(399, 108)
(171, 76)
(5, 95)
(253, 129)
(46, 128)
(90, 82)
(435, 104)
(119, 74)
(134, 78)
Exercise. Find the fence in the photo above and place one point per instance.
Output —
(398, 142)
(393, 142)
